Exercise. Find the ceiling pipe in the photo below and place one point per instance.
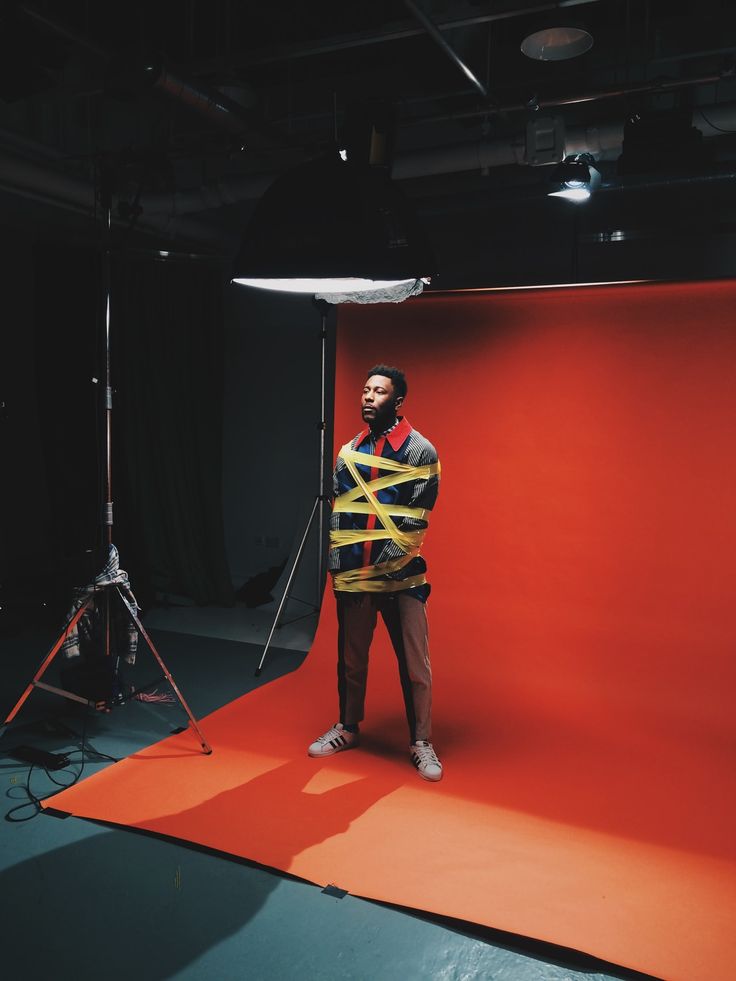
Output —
(646, 183)
(598, 95)
(436, 35)
(506, 197)
(39, 182)
(215, 194)
(604, 142)
(24, 174)
(343, 42)
(208, 103)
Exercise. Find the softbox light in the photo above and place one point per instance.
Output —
(337, 229)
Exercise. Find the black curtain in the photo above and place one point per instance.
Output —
(67, 312)
(167, 325)
(167, 362)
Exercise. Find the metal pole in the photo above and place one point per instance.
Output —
(434, 32)
(107, 516)
(285, 595)
(34, 683)
(322, 431)
(207, 749)
(107, 511)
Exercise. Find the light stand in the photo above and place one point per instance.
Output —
(338, 227)
(320, 501)
(109, 581)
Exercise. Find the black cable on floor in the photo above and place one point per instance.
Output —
(36, 802)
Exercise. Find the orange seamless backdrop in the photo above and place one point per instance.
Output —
(582, 549)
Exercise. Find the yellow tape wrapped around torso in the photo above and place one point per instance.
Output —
(369, 578)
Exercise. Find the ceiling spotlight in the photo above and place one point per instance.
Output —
(575, 178)
(557, 43)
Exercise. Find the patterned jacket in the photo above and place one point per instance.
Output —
(404, 445)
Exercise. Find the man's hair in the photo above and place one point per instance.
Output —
(395, 374)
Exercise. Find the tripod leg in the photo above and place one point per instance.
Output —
(45, 663)
(285, 595)
(203, 742)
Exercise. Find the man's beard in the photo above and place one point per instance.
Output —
(381, 420)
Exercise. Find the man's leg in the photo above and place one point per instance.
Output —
(356, 617)
(406, 620)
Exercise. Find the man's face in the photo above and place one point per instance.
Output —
(379, 402)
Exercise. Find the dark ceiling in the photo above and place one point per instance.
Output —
(196, 105)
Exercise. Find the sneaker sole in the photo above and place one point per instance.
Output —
(331, 751)
(424, 776)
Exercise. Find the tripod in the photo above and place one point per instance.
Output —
(110, 585)
(320, 501)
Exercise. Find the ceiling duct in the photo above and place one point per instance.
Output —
(139, 75)
(136, 74)
(42, 181)
(603, 141)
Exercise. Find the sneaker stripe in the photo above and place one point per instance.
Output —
(425, 759)
(333, 741)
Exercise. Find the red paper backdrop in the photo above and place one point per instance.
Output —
(582, 550)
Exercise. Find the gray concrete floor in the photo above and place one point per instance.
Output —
(85, 901)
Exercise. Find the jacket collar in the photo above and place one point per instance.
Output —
(395, 438)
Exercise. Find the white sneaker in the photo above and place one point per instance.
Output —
(425, 760)
(335, 740)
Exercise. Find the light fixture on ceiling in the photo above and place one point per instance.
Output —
(575, 178)
(557, 43)
(338, 227)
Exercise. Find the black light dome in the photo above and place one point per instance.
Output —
(331, 220)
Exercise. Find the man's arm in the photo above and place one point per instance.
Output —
(423, 492)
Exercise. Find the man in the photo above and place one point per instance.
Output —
(385, 484)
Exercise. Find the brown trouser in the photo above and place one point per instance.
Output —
(406, 621)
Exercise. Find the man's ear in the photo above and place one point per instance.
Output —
(398, 401)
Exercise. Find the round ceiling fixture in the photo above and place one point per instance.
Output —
(557, 43)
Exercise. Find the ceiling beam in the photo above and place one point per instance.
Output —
(436, 34)
(363, 39)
